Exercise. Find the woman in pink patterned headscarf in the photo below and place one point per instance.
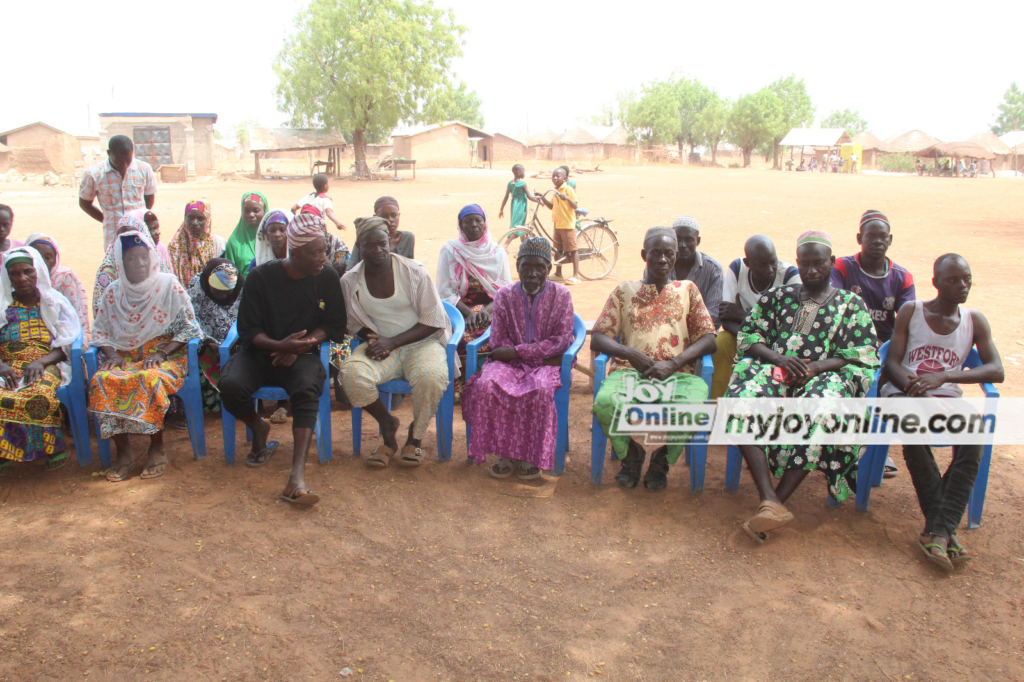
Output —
(194, 244)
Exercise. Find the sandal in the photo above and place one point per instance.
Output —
(569, 282)
(147, 473)
(528, 472)
(956, 552)
(769, 516)
(280, 416)
(759, 538)
(301, 497)
(503, 468)
(941, 560)
(890, 469)
(115, 475)
(380, 457)
(632, 463)
(54, 462)
(412, 456)
(656, 478)
(252, 460)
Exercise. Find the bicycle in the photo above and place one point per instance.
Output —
(597, 243)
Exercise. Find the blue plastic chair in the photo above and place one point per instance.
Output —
(579, 330)
(72, 397)
(324, 442)
(696, 450)
(876, 454)
(445, 409)
(190, 394)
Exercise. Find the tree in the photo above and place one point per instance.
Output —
(366, 65)
(850, 120)
(606, 117)
(797, 110)
(241, 131)
(652, 117)
(691, 98)
(712, 123)
(455, 104)
(1011, 111)
(753, 121)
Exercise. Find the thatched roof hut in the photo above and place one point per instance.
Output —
(910, 142)
(869, 141)
(544, 137)
(963, 150)
(992, 143)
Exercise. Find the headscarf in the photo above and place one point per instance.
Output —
(107, 272)
(223, 275)
(364, 225)
(264, 251)
(305, 228)
(241, 246)
(483, 260)
(130, 314)
(141, 214)
(814, 237)
(687, 221)
(870, 215)
(535, 246)
(58, 314)
(189, 254)
(64, 280)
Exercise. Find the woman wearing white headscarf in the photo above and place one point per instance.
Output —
(272, 237)
(39, 326)
(144, 321)
(63, 279)
(107, 272)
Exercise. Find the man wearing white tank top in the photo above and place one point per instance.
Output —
(929, 344)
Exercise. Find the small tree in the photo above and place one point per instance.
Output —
(605, 117)
(365, 65)
(1011, 111)
(241, 131)
(850, 120)
(712, 123)
(797, 110)
(451, 104)
(753, 120)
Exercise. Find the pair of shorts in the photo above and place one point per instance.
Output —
(565, 240)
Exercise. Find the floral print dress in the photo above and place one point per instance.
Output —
(838, 328)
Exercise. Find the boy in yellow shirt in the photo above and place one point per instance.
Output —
(563, 212)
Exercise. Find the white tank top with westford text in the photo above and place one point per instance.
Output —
(928, 352)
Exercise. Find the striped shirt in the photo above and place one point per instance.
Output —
(118, 195)
(418, 286)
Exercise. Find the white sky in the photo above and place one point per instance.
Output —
(533, 62)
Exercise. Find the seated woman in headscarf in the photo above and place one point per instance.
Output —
(194, 244)
(153, 223)
(107, 272)
(215, 298)
(39, 326)
(62, 279)
(271, 237)
(402, 243)
(241, 246)
(144, 322)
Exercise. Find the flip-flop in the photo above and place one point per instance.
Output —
(569, 282)
(942, 561)
(150, 475)
(411, 456)
(280, 416)
(890, 470)
(769, 516)
(117, 478)
(306, 498)
(271, 447)
(957, 553)
(528, 472)
(759, 538)
(54, 462)
(380, 457)
(503, 468)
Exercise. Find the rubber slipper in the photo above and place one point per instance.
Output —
(769, 516)
(957, 553)
(528, 472)
(942, 561)
(305, 498)
(503, 468)
(380, 457)
(412, 456)
(759, 538)
(271, 447)
(569, 282)
(115, 477)
(55, 462)
(890, 471)
(280, 416)
(147, 474)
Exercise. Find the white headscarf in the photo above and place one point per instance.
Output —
(129, 314)
(58, 314)
(483, 260)
(264, 251)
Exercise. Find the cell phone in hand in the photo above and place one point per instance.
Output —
(781, 375)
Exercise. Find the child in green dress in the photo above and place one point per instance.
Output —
(520, 193)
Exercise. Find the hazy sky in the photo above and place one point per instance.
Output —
(535, 63)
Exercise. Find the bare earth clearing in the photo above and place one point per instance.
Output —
(442, 573)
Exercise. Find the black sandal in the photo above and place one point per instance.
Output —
(252, 459)
(632, 463)
(656, 479)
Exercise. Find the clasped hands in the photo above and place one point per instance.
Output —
(288, 349)
(649, 368)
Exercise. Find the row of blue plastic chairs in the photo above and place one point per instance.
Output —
(870, 467)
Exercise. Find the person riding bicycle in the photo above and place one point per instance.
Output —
(563, 212)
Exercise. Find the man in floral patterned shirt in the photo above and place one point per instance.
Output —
(655, 330)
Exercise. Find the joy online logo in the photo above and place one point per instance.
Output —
(651, 408)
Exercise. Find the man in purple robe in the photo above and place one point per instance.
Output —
(510, 404)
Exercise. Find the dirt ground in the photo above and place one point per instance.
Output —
(442, 573)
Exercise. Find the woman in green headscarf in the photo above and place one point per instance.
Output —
(241, 246)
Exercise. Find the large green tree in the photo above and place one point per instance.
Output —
(712, 123)
(753, 121)
(651, 117)
(797, 110)
(850, 120)
(366, 65)
(1011, 111)
(691, 99)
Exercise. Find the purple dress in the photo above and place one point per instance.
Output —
(510, 405)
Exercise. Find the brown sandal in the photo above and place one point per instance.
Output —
(769, 516)
(412, 456)
(380, 457)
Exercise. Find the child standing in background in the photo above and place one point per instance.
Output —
(520, 194)
(319, 201)
(563, 213)
(572, 183)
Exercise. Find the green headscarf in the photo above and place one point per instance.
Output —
(241, 246)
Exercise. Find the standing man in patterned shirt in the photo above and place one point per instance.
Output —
(121, 183)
